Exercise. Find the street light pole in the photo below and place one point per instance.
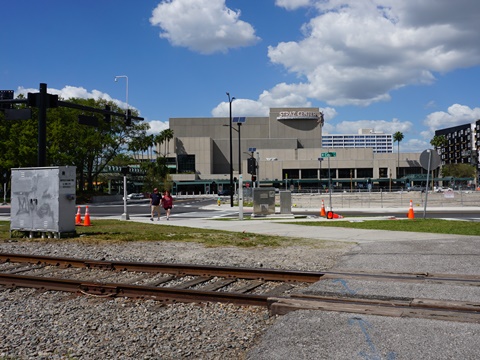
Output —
(126, 78)
(125, 215)
(239, 151)
(230, 100)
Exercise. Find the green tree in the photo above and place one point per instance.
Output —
(398, 137)
(439, 141)
(88, 148)
(459, 170)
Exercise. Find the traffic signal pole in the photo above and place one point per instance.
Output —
(42, 126)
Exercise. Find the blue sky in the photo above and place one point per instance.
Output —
(411, 66)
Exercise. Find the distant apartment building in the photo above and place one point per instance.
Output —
(366, 138)
(463, 145)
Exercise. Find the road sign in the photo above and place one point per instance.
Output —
(429, 157)
(329, 154)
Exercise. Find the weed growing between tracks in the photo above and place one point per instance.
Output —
(121, 231)
(436, 226)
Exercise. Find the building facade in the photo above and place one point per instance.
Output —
(287, 146)
(365, 138)
(463, 145)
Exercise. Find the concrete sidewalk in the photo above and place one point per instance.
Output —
(280, 224)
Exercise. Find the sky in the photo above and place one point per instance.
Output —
(411, 66)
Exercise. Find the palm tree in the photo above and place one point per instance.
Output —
(168, 133)
(439, 142)
(398, 136)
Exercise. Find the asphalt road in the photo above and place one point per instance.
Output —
(195, 207)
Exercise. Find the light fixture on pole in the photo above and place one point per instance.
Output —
(230, 100)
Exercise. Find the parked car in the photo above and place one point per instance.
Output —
(440, 189)
(416, 188)
(135, 196)
(224, 192)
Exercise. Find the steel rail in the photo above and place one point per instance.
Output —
(97, 289)
(236, 272)
(176, 269)
(393, 307)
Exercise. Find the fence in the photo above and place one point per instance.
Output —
(399, 199)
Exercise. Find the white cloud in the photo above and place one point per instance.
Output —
(414, 145)
(157, 126)
(241, 107)
(292, 4)
(455, 115)
(387, 127)
(204, 26)
(358, 52)
(69, 92)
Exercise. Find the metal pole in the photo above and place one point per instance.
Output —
(426, 186)
(126, 96)
(125, 210)
(330, 183)
(240, 197)
(258, 169)
(42, 126)
(231, 150)
(239, 151)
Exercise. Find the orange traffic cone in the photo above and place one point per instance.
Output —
(78, 217)
(87, 217)
(332, 215)
(410, 214)
(322, 211)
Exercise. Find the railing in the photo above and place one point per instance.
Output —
(386, 199)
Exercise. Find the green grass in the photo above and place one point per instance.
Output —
(120, 231)
(436, 226)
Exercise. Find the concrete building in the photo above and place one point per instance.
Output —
(287, 146)
(365, 138)
(463, 145)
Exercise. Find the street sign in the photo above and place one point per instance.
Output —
(329, 154)
(429, 157)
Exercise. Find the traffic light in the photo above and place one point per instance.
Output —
(254, 178)
(252, 166)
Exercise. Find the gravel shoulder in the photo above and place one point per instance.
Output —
(53, 325)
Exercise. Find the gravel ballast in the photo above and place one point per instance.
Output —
(54, 325)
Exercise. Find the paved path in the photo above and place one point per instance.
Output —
(332, 335)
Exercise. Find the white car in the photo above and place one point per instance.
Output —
(135, 196)
(442, 189)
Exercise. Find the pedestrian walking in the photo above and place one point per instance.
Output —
(167, 203)
(155, 200)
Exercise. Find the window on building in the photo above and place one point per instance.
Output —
(309, 173)
(364, 172)
(345, 173)
(290, 174)
(186, 163)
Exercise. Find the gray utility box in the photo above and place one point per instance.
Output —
(263, 201)
(43, 199)
(285, 202)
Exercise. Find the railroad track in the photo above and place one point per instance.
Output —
(279, 290)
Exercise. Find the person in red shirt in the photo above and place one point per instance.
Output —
(167, 203)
